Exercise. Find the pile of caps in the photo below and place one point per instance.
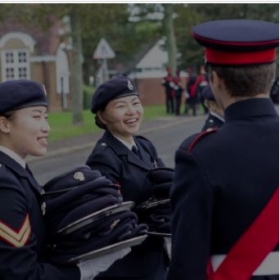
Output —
(85, 216)
(155, 212)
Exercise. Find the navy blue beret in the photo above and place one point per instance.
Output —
(238, 42)
(103, 232)
(60, 220)
(20, 94)
(161, 175)
(208, 94)
(115, 88)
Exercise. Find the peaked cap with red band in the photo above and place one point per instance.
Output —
(238, 42)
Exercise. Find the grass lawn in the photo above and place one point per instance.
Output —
(62, 128)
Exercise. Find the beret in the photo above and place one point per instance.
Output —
(71, 179)
(238, 42)
(156, 216)
(161, 175)
(56, 222)
(208, 94)
(103, 232)
(18, 94)
(117, 87)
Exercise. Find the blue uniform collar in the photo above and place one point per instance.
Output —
(253, 107)
(16, 168)
(120, 149)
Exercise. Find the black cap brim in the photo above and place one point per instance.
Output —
(89, 219)
(109, 249)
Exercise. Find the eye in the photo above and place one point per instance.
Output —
(36, 117)
(136, 103)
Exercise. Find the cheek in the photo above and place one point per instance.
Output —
(115, 116)
(141, 111)
(28, 128)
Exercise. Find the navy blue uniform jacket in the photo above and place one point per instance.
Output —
(22, 230)
(114, 160)
(222, 183)
(212, 122)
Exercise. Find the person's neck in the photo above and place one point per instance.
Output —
(128, 139)
(229, 100)
(12, 154)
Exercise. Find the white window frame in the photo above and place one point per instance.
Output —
(16, 65)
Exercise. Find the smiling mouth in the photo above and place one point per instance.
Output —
(43, 141)
(131, 121)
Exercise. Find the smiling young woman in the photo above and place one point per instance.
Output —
(126, 159)
(24, 131)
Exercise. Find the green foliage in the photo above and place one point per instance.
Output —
(88, 92)
(62, 127)
(154, 111)
(190, 15)
(130, 27)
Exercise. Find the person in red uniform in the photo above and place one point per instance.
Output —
(167, 83)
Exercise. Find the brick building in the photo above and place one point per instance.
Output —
(29, 53)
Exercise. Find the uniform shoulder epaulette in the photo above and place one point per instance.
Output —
(199, 136)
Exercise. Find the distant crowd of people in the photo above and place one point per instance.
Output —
(174, 91)
(193, 91)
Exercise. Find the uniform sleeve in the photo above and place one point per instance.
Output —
(106, 163)
(18, 255)
(191, 203)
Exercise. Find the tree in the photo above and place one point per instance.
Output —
(189, 15)
(83, 17)
(170, 37)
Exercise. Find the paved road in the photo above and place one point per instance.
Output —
(166, 135)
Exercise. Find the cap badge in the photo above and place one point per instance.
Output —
(130, 85)
(79, 176)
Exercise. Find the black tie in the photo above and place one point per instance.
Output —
(136, 151)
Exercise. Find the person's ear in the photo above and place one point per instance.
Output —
(101, 117)
(216, 80)
(4, 125)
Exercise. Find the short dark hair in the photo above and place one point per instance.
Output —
(99, 123)
(246, 80)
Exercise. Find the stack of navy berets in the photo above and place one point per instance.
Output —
(84, 212)
(155, 212)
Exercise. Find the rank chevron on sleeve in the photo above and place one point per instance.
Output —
(16, 238)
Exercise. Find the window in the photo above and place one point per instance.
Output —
(15, 65)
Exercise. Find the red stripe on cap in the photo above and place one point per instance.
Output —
(239, 58)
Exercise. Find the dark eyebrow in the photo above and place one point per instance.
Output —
(39, 111)
(136, 98)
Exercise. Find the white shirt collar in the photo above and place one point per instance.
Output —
(217, 116)
(13, 155)
(128, 145)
